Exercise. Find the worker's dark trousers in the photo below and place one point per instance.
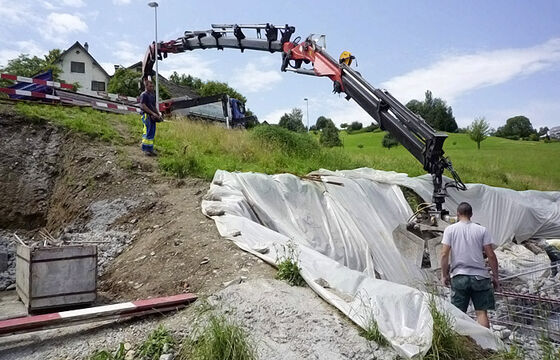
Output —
(148, 134)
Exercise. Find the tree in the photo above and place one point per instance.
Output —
(343, 125)
(125, 82)
(321, 122)
(216, 87)
(478, 130)
(355, 125)
(293, 120)
(389, 141)
(329, 136)
(435, 112)
(543, 131)
(515, 128)
(371, 127)
(25, 65)
(186, 80)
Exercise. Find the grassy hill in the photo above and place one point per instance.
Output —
(520, 165)
(199, 149)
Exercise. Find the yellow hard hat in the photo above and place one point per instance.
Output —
(346, 57)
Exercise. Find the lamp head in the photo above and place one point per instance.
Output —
(153, 4)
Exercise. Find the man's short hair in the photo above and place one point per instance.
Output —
(464, 209)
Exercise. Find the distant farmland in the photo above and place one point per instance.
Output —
(519, 165)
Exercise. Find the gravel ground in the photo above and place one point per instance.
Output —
(284, 322)
(7, 246)
(110, 242)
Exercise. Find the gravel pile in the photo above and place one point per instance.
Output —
(7, 246)
(110, 242)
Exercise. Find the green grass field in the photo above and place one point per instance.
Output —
(199, 149)
(519, 165)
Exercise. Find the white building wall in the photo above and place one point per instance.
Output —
(92, 72)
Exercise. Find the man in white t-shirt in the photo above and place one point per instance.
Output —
(464, 243)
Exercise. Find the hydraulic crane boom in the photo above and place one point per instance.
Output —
(419, 138)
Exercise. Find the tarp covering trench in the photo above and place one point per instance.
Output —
(342, 227)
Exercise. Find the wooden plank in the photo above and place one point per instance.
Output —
(127, 309)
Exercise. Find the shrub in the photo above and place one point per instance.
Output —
(288, 266)
(389, 141)
(360, 146)
(154, 346)
(355, 125)
(329, 136)
(220, 340)
(289, 142)
(120, 354)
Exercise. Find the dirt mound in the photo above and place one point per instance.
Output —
(82, 189)
(28, 165)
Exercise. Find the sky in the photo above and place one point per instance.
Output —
(492, 59)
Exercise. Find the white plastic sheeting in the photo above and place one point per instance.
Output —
(506, 213)
(343, 228)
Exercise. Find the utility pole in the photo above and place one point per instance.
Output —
(307, 102)
(155, 5)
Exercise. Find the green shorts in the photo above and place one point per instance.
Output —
(467, 287)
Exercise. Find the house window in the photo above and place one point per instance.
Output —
(97, 86)
(77, 67)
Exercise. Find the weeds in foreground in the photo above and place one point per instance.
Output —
(547, 349)
(371, 332)
(220, 340)
(288, 266)
(514, 352)
(157, 344)
(367, 312)
(446, 343)
(120, 354)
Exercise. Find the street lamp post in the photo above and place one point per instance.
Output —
(155, 5)
(307, 102)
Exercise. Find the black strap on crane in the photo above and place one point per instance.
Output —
(200, 36)
(239, 35)
(216, 36)
(271, 35)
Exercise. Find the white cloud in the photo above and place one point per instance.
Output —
(121, 2)
(274, 116)
(127, 53)
(59, 25)
(109, 67)
(252, 79)
(73, 3)
(21, 47)
(190, 64)
(339, 110)
(455, 75)
(48, 5)
(6, 55)
(30, 47)
(13, 12)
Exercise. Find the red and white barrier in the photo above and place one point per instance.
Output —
(91, 100)
(117, 97)
(36, 81)
(118, 107)
(29, 93)
(122, 310)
